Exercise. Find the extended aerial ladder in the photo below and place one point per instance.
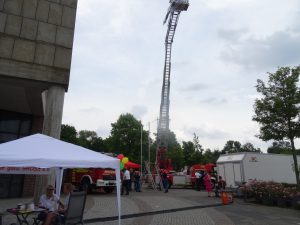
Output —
(176, 6)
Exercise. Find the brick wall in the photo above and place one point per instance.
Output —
(28, 185)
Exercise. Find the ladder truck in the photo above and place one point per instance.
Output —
(176, 7)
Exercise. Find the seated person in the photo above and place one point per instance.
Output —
(68, 189)
(49, 201)
(57, 215)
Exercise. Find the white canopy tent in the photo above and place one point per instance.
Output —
(44, 152)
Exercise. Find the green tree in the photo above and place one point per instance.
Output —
(192, 153)
(68, 134)
(232, 147)
(125, 137)
(210, 156)
(98, 144)
(86, 137)
(278, 110)
(248, 147)
(197, 145)
(188, 149)
(281, 147)
(175, 152)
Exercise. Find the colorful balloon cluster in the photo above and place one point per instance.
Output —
(123, 160)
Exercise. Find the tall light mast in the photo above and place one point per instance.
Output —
(176, 6)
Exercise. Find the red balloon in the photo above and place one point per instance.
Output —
(120, 156)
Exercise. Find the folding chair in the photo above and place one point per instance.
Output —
(74, 213)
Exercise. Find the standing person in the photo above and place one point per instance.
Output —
(131, 179)
(221, 183)
(126, 181)
(49, 201)
(197, 177)
(137, 176)
(207, 182)
(165, 181)
(201, 182)
(217, 188)
(122, 178)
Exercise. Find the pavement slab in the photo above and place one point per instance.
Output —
(178, 207)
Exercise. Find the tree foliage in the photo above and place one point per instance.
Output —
(278, 110)
(175, 152)
(125, 137)
(210, 156)
(197, 145)
(281, 147)
(248, 147)
(68, 134)
(235, 147)
(232, 147)
(89, 139)
(85, 138)
(188, 149)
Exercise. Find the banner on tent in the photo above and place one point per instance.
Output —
(24, 170)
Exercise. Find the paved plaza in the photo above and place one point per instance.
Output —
(178, 207)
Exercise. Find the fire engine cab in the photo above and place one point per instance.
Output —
(94, 178)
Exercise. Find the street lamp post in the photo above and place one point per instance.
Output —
(149, 142)
(141, 148)
(142, 145)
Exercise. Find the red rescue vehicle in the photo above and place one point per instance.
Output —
(94, 178)
(90, 179)
(187, 178)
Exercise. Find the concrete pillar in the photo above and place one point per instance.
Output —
(53, 110)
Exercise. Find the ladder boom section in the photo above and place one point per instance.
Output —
(163, 124)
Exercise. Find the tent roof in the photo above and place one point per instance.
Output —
(46, 152)
(133, 165)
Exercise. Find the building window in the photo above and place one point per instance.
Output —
(14, 125)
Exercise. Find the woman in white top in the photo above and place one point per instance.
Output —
(50, 201)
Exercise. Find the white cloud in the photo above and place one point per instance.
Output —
(138, 111)
(279, 49)
(221, 48)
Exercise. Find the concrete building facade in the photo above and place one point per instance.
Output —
(36, 39)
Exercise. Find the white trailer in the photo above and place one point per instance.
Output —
(237, 168)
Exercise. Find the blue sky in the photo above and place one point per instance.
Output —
(221, 48)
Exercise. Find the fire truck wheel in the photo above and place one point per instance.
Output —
(85, 186)
(108, 189)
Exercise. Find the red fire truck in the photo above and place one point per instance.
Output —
(93, 178)
(187, 178)
(199, 167)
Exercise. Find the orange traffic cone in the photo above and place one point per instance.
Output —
(224, 197)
